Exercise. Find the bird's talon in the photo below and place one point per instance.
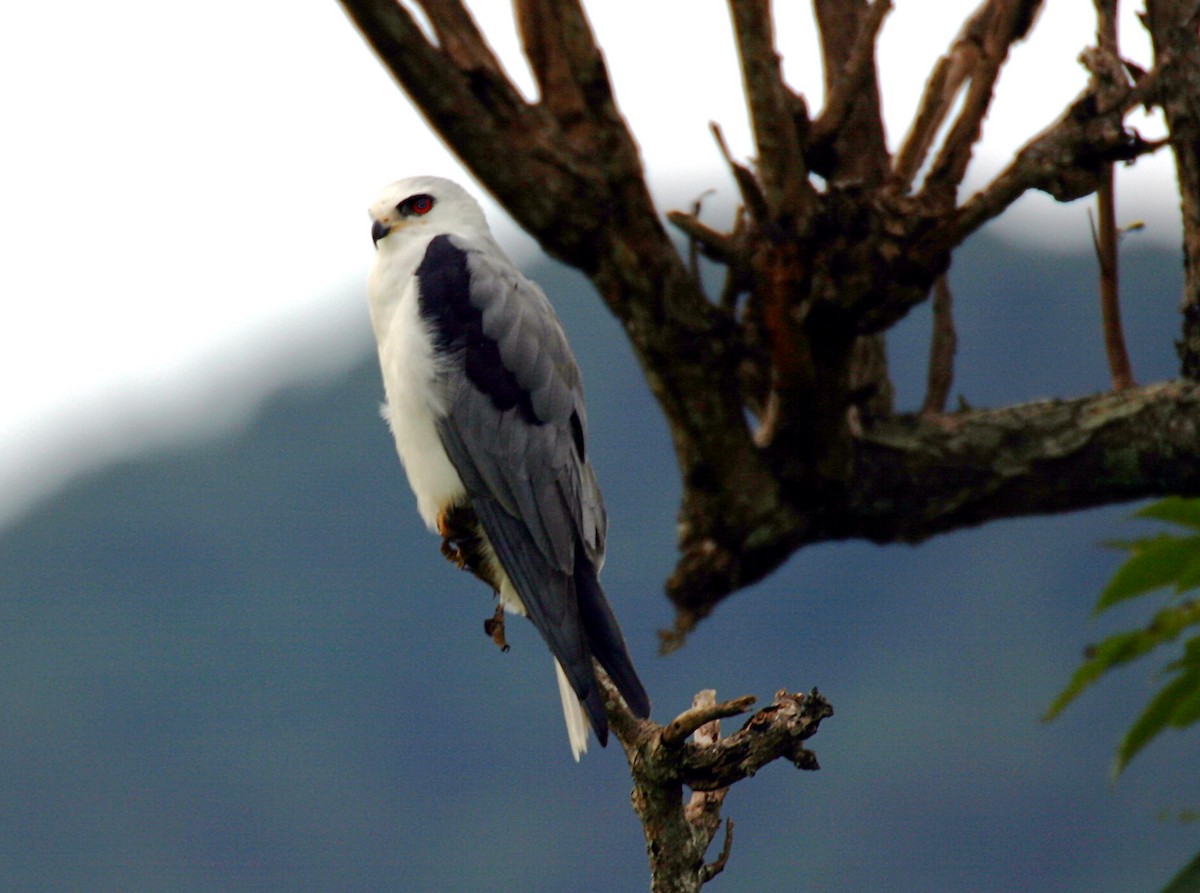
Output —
(494, 627)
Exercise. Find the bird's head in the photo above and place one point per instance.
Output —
(424, 206)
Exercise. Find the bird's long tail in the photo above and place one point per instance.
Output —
(604, 637)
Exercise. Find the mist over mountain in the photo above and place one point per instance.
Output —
(244, 666)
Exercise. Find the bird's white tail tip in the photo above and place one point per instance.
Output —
(577, 721)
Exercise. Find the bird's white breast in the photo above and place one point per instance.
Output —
(409, 365)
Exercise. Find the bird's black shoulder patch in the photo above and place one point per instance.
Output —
(445, 300)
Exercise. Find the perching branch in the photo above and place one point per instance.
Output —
(678, 831)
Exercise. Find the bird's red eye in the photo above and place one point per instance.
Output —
(416, 205)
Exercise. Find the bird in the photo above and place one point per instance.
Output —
(485, 403)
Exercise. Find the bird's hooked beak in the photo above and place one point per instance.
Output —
(379, 229)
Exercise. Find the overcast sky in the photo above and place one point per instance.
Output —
(184, 189)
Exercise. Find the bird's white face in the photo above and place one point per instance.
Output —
(423, 206)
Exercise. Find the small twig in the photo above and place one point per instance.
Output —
(1104, 240)
(712, 869)
(712, 243)
(701, 714)
(693, 248)
(942, 347)
(752, 196)
(736, 275)
(774, 732)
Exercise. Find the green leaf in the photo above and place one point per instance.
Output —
(1175, 510)
(1157, 715)
(1157, 562)
(1189, 575)
(1154, 563)
(1188, 709)
(1188, 880)
(1176, 705)
(1121, 648)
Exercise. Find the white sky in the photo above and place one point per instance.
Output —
(183, 191)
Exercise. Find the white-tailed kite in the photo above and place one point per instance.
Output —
(485, 402)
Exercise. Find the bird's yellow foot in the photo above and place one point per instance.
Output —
(494, 627)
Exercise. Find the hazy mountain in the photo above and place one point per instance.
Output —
(244, 666)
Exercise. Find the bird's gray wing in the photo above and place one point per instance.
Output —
(514, 429)
(514, 392)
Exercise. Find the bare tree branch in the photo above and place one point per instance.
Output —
(915, 478)
(846, 144)
(1104, 233)
(1172, 25)
(712, 243)
(712, 869)
(846, 88)
(1065, 160)
(941, 88)
(460, 39)
(789, 194)
(569, 68)
(1000, 24)
(703, 713)
(753, 198)
(678, 831)
(942, 348)
(1104, 240)
(961, 63)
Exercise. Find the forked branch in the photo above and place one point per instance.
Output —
(679, 831)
